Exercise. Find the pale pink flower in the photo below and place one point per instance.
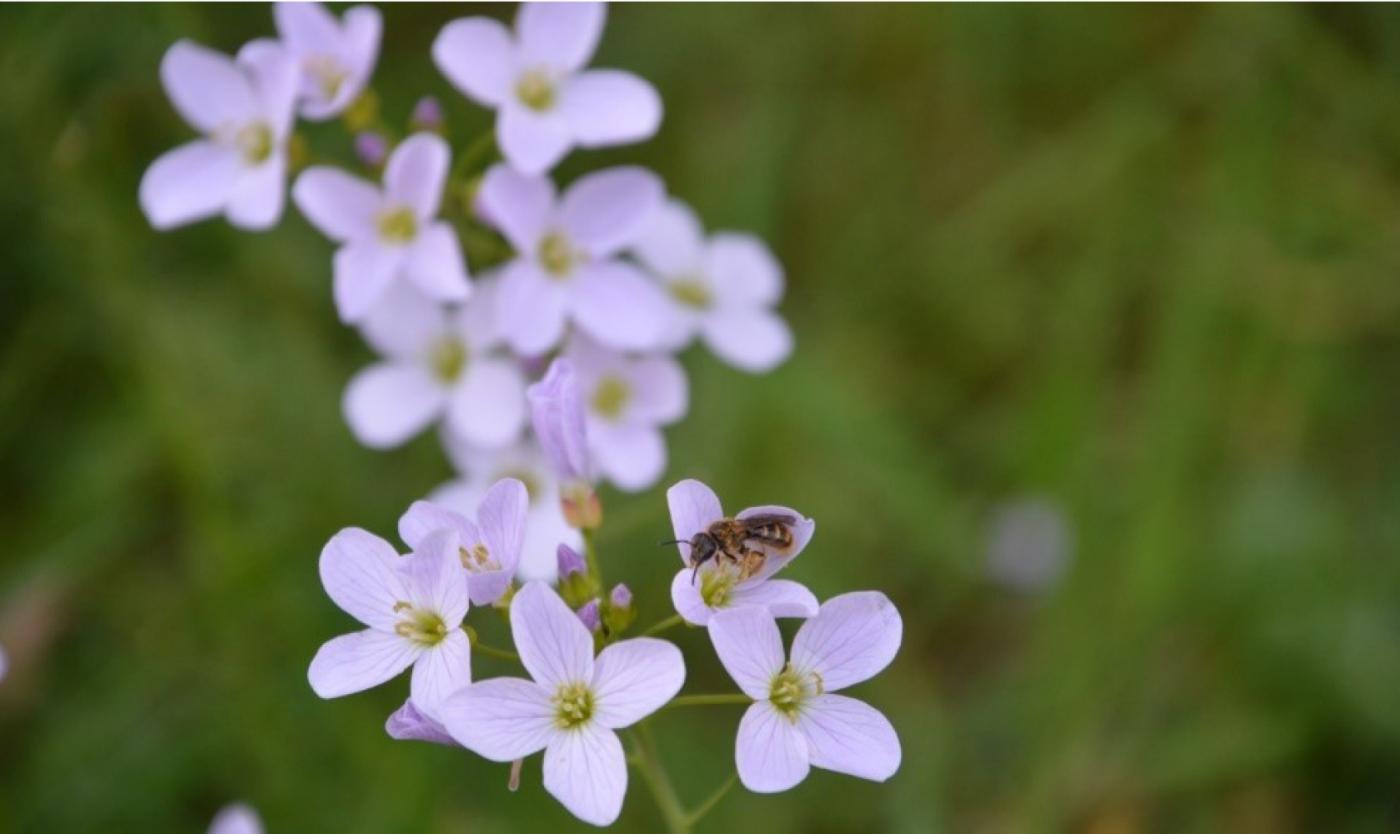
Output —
(626, 400)
(236, 819)
(572, 707)
(556, 413)
(336, 57)
(694, 507)
(567, 266)
(387, 233)
(490, 541)
(546, 102)
(408, 723)
(239, 167)
(439, 363)
(795, 722)
(413, 607)
(722, 289)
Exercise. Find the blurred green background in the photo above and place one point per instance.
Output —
(1142, 263)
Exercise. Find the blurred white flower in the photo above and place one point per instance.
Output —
(244, 110)
(546, 102)
(1029, 545)
(4, 664)
(566, 266)
(722, 289)
(625, 402)
(236, 819)
(335, 58)
(388, 233)
(437, 362)
(545, 527)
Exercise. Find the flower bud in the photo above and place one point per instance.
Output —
(620, 613)
(556, 412)
(570, 562)
(575, 584)
(427, 114)
(591, 615)
(621, 596)
(371, 149)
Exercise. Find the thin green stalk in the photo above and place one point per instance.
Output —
(708, 805)
(646, 761)
(708, 700)
(670, 622)
(590, 556)
(490, 651)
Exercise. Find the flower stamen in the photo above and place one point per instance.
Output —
(790, 689)
(398, 226)
(692, 292)
(717, 585)
(254, 142)
(448, 358)
(556, 255)
(611, 396)
(419, 624)
(573, 706)
(535, 89)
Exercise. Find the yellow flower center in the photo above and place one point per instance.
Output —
(790, 689)
(419, 624)
(692, 292)
(716, 585)
(327, 73)
(556, 255)
(611, 396)
(448, 358)
(254, 142)
(573, 706)
(535, 90)
(398, 225)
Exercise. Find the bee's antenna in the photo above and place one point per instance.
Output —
(672, 541)
(693, 572)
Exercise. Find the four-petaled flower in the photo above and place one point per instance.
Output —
(438, 363)
(546, 104)
(388, 233)
(572, 706)
(244, 110)
(489, 545)
(717, 585)
(566, 266)
(414, 607)
(335, 58)
(722, 290)
(625, 402)
(795, 722)
(237, 818)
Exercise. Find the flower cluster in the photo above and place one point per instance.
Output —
(538, 328)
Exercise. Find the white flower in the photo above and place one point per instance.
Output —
(244, 110)
(567, 266)
(490, 539)
(546, 102)
(625, 402)
(388, 233)
(545, 527)
(335, 59)
(722, 289)
(438, 363)
(236, 819)
(413, 607)
(572, 706)
(796, 723)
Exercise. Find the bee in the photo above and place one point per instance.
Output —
(740, 541)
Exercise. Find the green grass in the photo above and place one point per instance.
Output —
(1144, 261)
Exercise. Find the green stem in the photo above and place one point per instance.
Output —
(489, 651)
(708, 700)
(670, 622)
(708, 805)
(590, 556)
(654, 775)
(468, 159)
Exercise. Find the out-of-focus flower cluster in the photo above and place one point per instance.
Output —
(536, 327)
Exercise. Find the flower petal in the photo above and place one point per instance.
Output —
(586, 771)
(192, 182)
(259, 194)
(562, 36)
(554, 645)
(416, 173)
(751, 340)
(743, 270)
(619, 306)
(388, 403)
(609, 209)
(363, 272)
(341, 206)
(610, 107)
(777, 559)
(404, 323)
(356, 662)
(502, 719)
(531, 141)
(848, 736)
(487, 405)
(236, 819)
(634, 678)
(408, 723)
(660, 392)
(436, 580)
(424, 518)
(308, 28)
(556, 413)
(435, 264)
(530, 308)
(685, 596)
(770, 753)
(477, 56)
(632, 457)
(206, 87)
(850, 639)
(442, 671)
(750, 646)
(276, 76)
(502, 520)
(694, 507)
(360, 573)
(516, 204)
(781, 597)
(672, 243)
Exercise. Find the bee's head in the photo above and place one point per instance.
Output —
(702, 549)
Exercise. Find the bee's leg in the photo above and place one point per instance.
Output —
(751, 563)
